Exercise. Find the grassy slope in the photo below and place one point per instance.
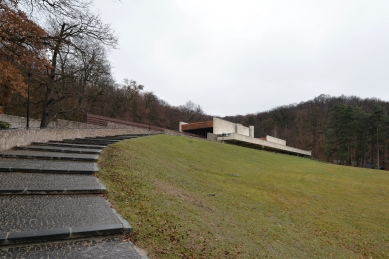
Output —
(279, 206)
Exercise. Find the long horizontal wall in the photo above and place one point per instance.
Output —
(276, 140)
(259, 143)
(103, 121)
(58, 130)
(19, 137)
(63, 129)
(20, 122)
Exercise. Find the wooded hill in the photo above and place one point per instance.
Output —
(59, 49)
(345, 128)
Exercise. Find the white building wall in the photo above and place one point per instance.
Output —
(245, 131)
(239, 128)
(221, 126)
(180, 127)
(276, 140)
(251, 129)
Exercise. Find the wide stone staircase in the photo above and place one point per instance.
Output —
(53, 206)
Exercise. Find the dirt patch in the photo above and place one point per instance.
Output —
(183, 195)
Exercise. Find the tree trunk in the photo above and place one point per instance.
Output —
(50, 82)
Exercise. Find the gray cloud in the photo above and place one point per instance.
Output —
(237, 57)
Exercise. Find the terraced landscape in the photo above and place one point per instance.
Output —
(53, 209)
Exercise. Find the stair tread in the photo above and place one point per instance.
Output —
(30, 165)
(38, 181)
(48, 155)
(61, 149)
(54, 212)
(62, 144)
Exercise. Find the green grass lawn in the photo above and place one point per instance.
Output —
(182, 201)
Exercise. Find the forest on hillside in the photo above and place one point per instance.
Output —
(348, 129)
(58, 49)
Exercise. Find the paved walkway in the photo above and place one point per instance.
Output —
(97, 247)
(55, 209)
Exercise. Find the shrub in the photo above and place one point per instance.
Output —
(4, 125)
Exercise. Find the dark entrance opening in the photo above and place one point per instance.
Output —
(201, 132)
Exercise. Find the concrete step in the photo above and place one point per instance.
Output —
(116, 246)
(60, 149)
(124, 135)
(92, 142)
(42, 166)
(110, 138)
(61, 144)
(95, 142)
(37, 183)
(35, 218)
(114, 137)
(130, 135)
(102, 140)
(48, 155)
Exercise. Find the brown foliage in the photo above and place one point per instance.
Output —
(11, 81)
(20, 50)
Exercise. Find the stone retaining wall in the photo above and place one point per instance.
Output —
(20, 137)
(18, 122)
(212, 137)
(63, 129)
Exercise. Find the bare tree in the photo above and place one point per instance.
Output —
(193, 111)
(64, 34)
(83, 77)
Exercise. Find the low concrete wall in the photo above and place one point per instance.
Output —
(19, 137)
(276, 140)
(63, 129)
(20, 123)
(212, 137)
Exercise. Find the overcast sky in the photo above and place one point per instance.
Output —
(242, 56)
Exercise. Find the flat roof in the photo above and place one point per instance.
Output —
(197, 125)
(261, 144)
